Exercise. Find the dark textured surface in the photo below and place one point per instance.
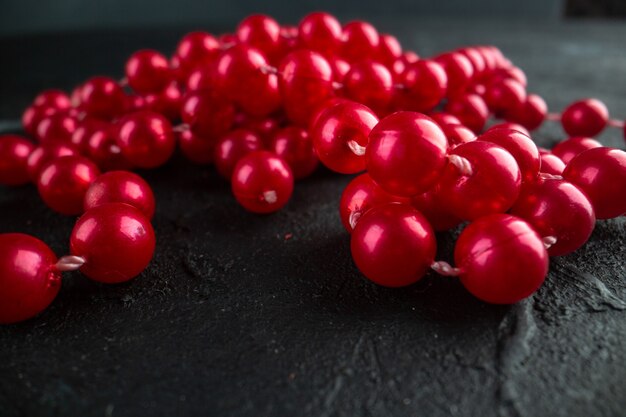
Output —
(233, 318)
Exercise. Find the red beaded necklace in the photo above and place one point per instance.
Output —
(266, 104)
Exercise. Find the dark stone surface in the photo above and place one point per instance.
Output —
(232, 318)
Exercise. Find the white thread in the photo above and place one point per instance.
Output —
(445, 269)
(462, 164)
(270, 197)
(69, 263)
(356, 149)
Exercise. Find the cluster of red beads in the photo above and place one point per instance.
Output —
(266, 104)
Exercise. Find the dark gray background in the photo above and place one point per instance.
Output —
(28, 16)
(233, 319)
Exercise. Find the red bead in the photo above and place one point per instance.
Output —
(569, 148)
(471, 110)
(196, 148)
(457, 134)
(444, 118)
(41, 155)
(557, 209)
(340, 68)
(265, 127)
(196, 49)
(103, 150)
(459, 72)
(400, 64)
(393, 245)
(63, 183)
(601, 174)
(389, 50)
(294, 145)
(585, 117)
(232, 147)
(360, 39)
(305, 84)
(370, 84)
(262, 182)
(84, 129)
(511, 73)
(476, 59)
(520, 146)
(121, 187)
(116, 240)
(512, 126)
(406, 153)
(203, 78)
(502, 259)
(531, 113)
(56, 128)
(492, 186)
(33, 115)
(102, 97)
(360, 195)
(261, 32)
(242, 70)
(167, 102)
(55, 99)
(431, 207)
(551, 164)
(340, 135)
(208, 113)
(320, 32)
(148, 71)
(424, 85)
(14, 153)
(504, 96)
(146, 139)
(28, 279)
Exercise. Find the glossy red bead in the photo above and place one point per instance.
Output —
(566, 150)
(502, 259)
(320, 32)
(195, 49)
(56, 128)
(168, 102)
(208, 113)
(261, 32)
(233, 146)
(551, 164)
(262, 182)
(512, 126)
(116, 240)
(41, 155)
(471, 111)
(406, 153)
(306, 82)
(28, 279)
(557, 209)
(444, 118)
(389, 49)
(63, 182)
(586, 117)
(103, 150)
(102, 97)
(294, 145)
(14, 153)
(243, 69)
(431, 207)
(601, 174)
(393, 245)
(33, 115)
(423, 85)
(121, 187)
(196, 148)
(84, 129)
(146, 139)
(360, 195)
(504, 96)
(370, 84)
(340, 135)
(56, 99)
(531, 113)
(360, 39)
(457, 134)
(459, 72)
(492, 186)
(148, 71)
(520, 146)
